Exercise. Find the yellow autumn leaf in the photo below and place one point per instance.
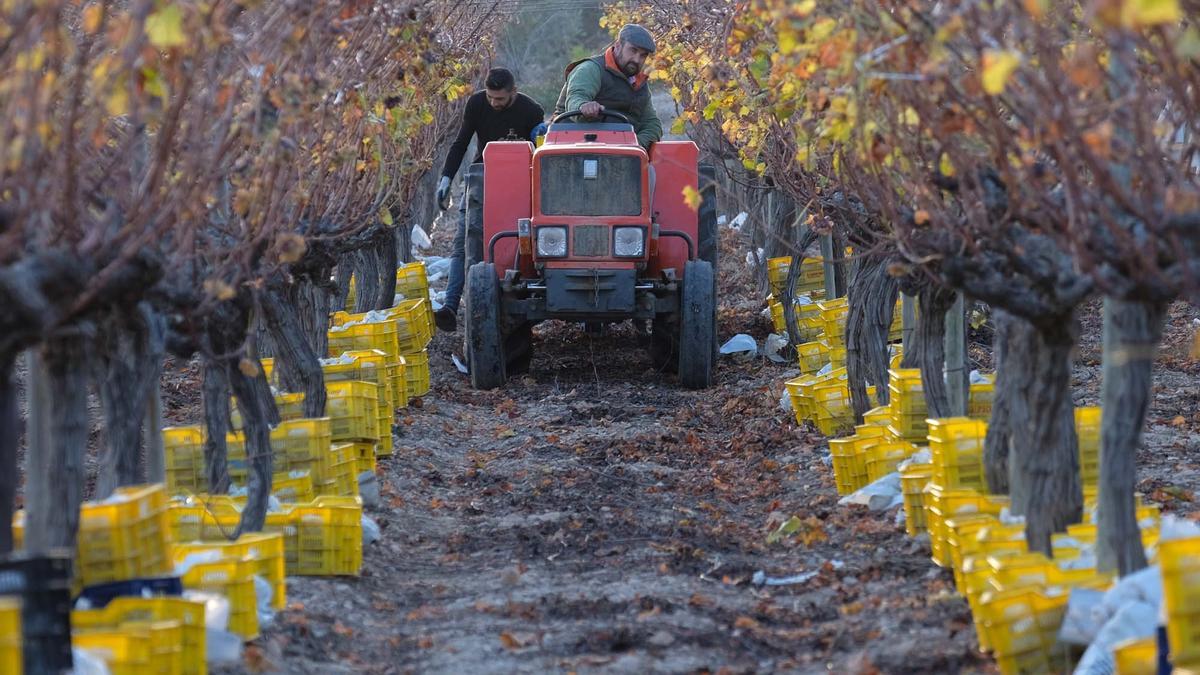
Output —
(998, 66)
(92, 15)
(691, 197)
(249, 368)
(385, 216)
(1150, 12)
(945, 166)
(218, 289)
(164, 27)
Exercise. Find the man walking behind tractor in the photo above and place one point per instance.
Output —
(497, 112)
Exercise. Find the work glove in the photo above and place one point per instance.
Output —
(539, 130)
(443, 193)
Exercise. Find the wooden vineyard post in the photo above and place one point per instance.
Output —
(955, 369)
(908, 321)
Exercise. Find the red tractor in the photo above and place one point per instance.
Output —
(574, 230)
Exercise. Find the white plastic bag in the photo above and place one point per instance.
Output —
(263, 593)
(420, 238)
(740, 343)
(883, 494)
(773, 345)
(370, 531)
(88, 663)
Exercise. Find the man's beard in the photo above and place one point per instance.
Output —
(631, 69)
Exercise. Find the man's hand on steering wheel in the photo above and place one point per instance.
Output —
(591, 109)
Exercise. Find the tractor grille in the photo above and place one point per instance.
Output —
(591, 240)
(615, 191)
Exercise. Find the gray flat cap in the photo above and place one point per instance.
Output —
(637, 36)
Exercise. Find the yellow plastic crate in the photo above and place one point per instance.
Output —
(289, 405)
(882, 458)
(293, 487)
(1180, 562)
(837, 355)
(184, 448)
(777, 273)
(416, 373)
(812, 274)
(296, 445)
(124, 538)
(962, 541)
(11, 660)
(881, 416)
(233, 578)
(353, 410)
(354, 332)
(367, 365)
(363, 451)
(778, 321)
(849, 467)
(913, 480)
(412, 329)
(956, 444)
(1136, 657)
(345, 480)
(979, 400)
(329, 539)
(412, 281)
(265, 548)
(126, 609)
(125, 652)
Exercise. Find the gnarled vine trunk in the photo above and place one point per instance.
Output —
(54, 460)
(872, 302)
(366, 279)
(1132, 331)
(10, 423)
(215, 393)
(999, 431)
(385, 244)
(297, 363)
(1043, 455)
(131, 347)
(934, 302)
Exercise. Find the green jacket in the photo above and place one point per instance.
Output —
(588, 81)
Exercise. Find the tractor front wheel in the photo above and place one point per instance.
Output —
(485, 343)
(697, 325)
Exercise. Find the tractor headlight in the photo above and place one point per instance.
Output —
(629, 242)
(552, 242)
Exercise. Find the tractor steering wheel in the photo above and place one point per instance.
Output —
(603, 113)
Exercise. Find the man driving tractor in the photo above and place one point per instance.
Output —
(615, 81)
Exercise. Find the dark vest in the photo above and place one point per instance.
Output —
(615, 91)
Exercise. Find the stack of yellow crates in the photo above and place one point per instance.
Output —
(413, 284)
(184, 450)
(1087, 429)
(11, 660)
(353, 408)
(157, 635)
(265, 549)
(812, 356)
(290, 407)
(833, 318)
(305, 444)
(124, 537)
(1180, 561)
(371, 365)
(812, 274)
(913, 479)
(956, 444)
(320, 538)
(907, 402)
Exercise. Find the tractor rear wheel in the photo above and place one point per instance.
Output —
(697, 325)
(485, 343)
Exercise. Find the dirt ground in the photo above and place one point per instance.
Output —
(595, 517)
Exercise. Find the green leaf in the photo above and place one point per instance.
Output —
(164, 27)
(790, 526)
(679, 125)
